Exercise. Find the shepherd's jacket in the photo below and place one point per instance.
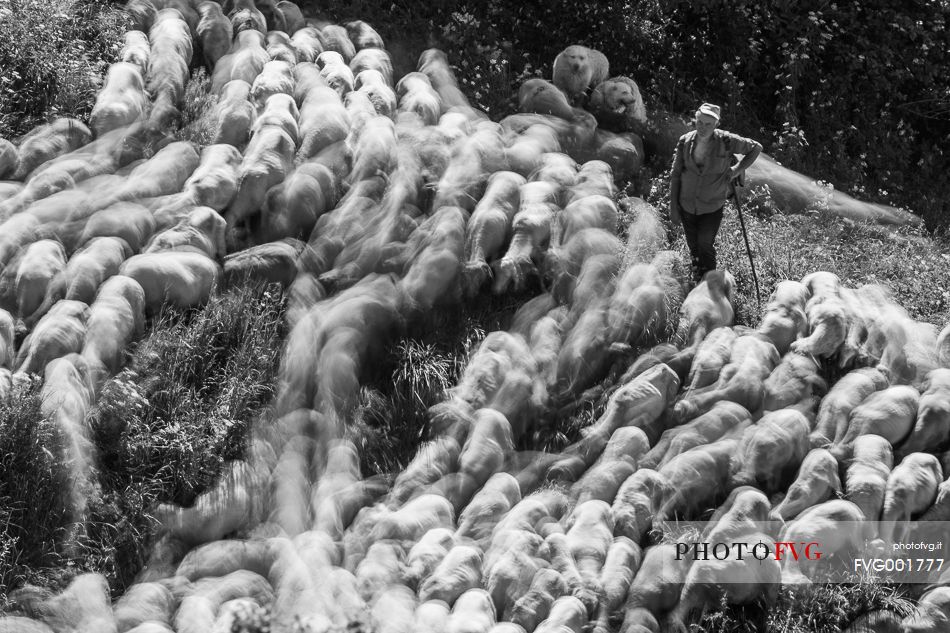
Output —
(705, 189)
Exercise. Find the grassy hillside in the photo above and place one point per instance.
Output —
(163, 428)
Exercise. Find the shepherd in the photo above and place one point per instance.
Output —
(701, 181)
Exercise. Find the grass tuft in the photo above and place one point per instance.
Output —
(391, 420)
(829, 608)
(33, 483)
(197, 110)
(392, 417)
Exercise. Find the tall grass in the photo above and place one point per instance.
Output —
(53, 55)
(163, 429)
(33, 508)
(392, 419)
(829, 608)
(182, 408)
(197, 112)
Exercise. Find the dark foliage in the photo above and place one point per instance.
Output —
(53, 55)
(856, 94)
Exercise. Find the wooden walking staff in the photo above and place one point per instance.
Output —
(745, 236)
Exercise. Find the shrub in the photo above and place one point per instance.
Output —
(53, 55)
(489, 70)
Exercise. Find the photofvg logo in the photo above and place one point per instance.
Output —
(739, 550)
(819, 551)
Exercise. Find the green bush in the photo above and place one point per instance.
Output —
(53, 55)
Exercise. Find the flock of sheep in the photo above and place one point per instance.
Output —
(410, 199)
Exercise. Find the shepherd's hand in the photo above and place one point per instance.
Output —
(675, 214)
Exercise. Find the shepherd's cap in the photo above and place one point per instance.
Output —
(710, 109)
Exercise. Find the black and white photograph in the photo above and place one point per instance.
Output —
(474, 316)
